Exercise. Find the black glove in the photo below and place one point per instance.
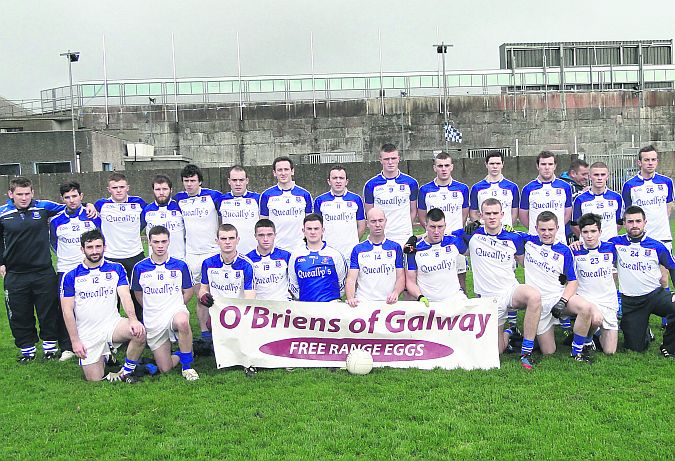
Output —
(562, 279)
(410, 246)
(558, 308)
(206, 300)
(471, 227)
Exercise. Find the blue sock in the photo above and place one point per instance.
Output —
(513, 317)
(620, 311)
(508, 331)
(664, 322)
(598, 333)
(528, 345)
(566, 323)
(28, 351)
(578, 344)
(49, 347)
(588, 339)
(129, 366)
(207, 336)
(185, 359)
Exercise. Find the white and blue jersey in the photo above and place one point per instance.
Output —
(544, 264)
(121, 226)
(436, 267)
(95, 296)
(451, 200)
(393, 196)
(162, 286)
(228, 280)
(271, 274)
(377, 264)
(608, 205)
(638, 264)
(594, 269)
(340, 215)
(653, 196)
(169, 216)
(201, 220)
(286, 209)
(317, 275)
(539, 196)
(504, 190)
(493, 258)
(65, 230)
(242, 211)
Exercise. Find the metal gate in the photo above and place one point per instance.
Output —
(622, 166)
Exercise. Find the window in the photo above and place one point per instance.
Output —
(52, 167)
(106, 166)
(14, 129)
(10, 169)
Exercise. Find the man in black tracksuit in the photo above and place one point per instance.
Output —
(31, 285)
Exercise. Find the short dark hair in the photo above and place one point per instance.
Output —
(312, 217)
(338, 167)
(435, 215)
(589, 219)
(649, 148)
(443, 156)
(19, 181)
(264, 222)
(490, 201)
(634, 209)
(546, 154)
(576, 164)
(283, 158)
(90, 236)
(546, 216)
(158, 230)
(191, 170)
(599, 165)
(68, 186)
(237, 168)
(227, 227)
(492, 154)
(388, 147)
(117, 176)
(162, 179)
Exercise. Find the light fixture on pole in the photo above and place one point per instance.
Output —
(443, 49)
(72, 56)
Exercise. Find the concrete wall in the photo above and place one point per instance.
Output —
(312, 177)
(213, 135)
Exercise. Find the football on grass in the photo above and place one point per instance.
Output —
(359, 362)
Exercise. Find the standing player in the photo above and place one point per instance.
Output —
(653, 192)
(164, 211)
(239, 207)
(601, 201)
(342, 213)
(431, 274)
(376, 265)
(163, 286)
(270, 264)
(286, 204)
(199, 207)
(65, 230)
(549, 266)
(639, 258)
(89, 298)
(316, 271)
(121, 224)
(395, 193)
(452, 198)
(594, 266)
(546, 193)
(493, 252)
(496, 186)
(227, 274)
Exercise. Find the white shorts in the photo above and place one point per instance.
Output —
(461, 264)
(547, 321)
(504, 302)
(609, 319)
(98, 343)
(194, 263)
(158, 334)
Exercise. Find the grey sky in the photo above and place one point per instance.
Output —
(274, 35)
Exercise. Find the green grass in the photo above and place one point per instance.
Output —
(619, 407)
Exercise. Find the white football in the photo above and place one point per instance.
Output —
(359, 362)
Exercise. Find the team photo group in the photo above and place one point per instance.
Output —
(581, 271)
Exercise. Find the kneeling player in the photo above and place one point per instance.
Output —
(493, 253)
(594, 264)
(89, 301)
(163, 286)
(550, 267)
(432, 270)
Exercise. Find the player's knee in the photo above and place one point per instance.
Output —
(182, 323)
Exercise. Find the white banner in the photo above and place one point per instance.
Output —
(272, 334)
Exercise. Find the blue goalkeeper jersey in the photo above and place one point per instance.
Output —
(317, 275)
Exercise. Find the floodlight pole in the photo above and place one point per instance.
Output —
(443, 49)
(72, 56)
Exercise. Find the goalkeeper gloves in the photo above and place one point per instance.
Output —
(558, 308)
(206, 300)
(410, 246)
(471, 227)
(423, 299)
